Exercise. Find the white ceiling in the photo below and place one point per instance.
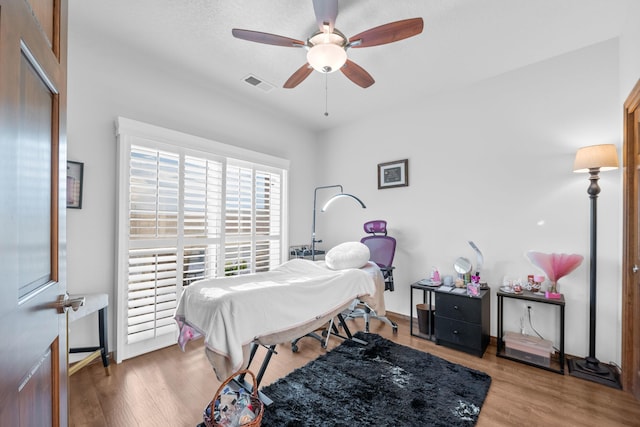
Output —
(463, 41)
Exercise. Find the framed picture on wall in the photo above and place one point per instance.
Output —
(75, 171)
(393, 174)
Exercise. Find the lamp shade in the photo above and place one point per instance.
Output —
(603, 157)
(327, 53)
(326, 58)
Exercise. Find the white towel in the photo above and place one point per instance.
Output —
(232, 312)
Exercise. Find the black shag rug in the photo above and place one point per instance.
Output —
(380, 384)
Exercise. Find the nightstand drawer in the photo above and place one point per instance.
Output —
(458, 307)
(457, 332)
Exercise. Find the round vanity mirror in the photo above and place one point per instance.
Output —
(462, 265)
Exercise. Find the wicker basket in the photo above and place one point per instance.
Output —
(258, 406)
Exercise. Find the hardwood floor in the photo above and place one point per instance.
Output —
(171, 388)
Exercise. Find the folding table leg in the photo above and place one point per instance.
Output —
(240, 380)
(102, 331)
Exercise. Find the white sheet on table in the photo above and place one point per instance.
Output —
(231, 312)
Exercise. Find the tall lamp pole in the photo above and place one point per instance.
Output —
(594, 159)
(326, 205)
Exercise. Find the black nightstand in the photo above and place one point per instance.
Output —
(463, 322)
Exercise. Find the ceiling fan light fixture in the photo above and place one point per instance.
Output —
(327, 53)
(326, 58)
(327, 48)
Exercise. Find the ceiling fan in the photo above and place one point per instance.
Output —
(327, 48)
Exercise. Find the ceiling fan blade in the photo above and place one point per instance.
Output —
(266, 38)
(388, 33)
(298, 77)
(326, 13)
(357, 74)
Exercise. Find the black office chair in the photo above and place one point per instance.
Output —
(382, 249)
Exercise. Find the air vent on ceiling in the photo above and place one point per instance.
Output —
(258, 82)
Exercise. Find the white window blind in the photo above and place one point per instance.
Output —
(186, 214)
(153, 224)
(203, 221)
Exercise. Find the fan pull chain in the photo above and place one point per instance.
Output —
(326, 94)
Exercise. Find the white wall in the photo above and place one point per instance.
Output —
(629, 48)
(490, 163)
(107, 81)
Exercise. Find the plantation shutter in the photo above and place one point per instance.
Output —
(253, 218)
(153, 231)
(268, 219)
(186, 214)
(239, 221)
(203, 184)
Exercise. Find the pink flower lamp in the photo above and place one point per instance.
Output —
(555, 266)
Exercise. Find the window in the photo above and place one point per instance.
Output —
(188, 209)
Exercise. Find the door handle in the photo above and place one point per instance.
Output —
(64, 302)
(635, 268)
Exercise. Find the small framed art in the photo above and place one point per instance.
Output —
(393, 174)
(75, 171)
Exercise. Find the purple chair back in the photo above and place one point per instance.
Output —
(381, 246)
(376, 227)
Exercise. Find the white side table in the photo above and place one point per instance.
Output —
(92, 303)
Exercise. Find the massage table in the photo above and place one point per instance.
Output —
(235, 314)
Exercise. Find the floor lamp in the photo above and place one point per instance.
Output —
(341, 194)
(594, 159)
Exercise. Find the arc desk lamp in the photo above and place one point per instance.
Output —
(333, 198)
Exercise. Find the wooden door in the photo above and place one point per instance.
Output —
(631, 258)
(33, 42)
